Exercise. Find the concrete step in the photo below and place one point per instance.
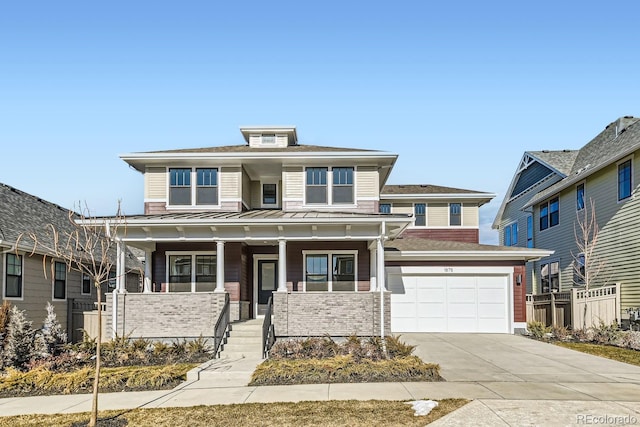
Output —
(234, 339)
(245, 333)
(241, 348)
(240, 327)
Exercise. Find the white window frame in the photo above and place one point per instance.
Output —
(330, 188)
(4, 278)
(584, 194)
(83, 275)
(330, 255)
(626, 159)
(510, 227)
(539, 272)
(426, 216)
(193, 187)
(385, 204)
(193, 255)
(53, 281)
(547, 203)
(449, 214)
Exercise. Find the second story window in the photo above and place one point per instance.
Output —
(317, 185)
(343, 185)
(624, 180)
(179, 186)
(580, 197)
(511, 234)
(269, 194)
(420, 210)
(530, 231)
(207, 186)
(384, 208)
(455, 214)
(550, 213)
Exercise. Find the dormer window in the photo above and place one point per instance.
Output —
(268, 139)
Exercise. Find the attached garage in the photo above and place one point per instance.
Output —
(448, 299)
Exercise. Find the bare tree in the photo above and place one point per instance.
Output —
(85, 245)
(587, 265)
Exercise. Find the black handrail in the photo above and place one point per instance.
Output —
(220, 331)
(268, 332)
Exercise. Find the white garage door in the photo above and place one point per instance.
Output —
(448, 303)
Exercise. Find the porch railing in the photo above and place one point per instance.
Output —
(268, 332)
(220, 331)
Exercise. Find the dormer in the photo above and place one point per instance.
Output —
(269, 136)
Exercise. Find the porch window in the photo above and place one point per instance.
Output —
(179, 186)
(342, 185)
(343, 272)
(550, 277)
(207, 186)
(317, 185)
(191, 272)
(205, 273)
(455, 214)
(60, 281)
(420, 210)
(13, 279)
(180, 273)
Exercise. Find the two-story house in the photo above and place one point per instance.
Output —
(315, 229)
(552, 190)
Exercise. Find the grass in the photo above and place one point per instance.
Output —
(42, 381)
(331, 413)
(343, 369)
(625, 355)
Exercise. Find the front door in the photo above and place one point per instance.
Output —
(267, 282)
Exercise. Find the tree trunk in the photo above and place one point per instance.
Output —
(94, 407)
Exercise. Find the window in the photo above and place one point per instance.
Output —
(579, 270)
(191, 272)
(111, 281)
(624, 180)
(455, 214)
(268, 138)
(179, 186)
(342, 185)
(13, 277)
(549, 213)
(342, 277)
(511, 234)
(530, 231)
(384, 208)
(60, 281)
(86, 284)
(207, 186)
(550, 277)
(317, 185)
(580, 197)
(420, 210)
(269, 194)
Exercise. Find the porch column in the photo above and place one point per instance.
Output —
(282, 266)
(220, 266)
(380, 264)
(121, 267)
(372, 268)
(148, 256)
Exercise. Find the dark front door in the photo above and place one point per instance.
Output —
(267, 282)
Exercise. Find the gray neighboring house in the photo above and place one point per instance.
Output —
(550, 189)
(25, 283)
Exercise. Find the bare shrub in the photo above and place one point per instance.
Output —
(606, 334)
(560, 333)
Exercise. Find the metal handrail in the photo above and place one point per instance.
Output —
(220, 330)
(268, 331)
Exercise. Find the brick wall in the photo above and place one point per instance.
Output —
(302, 314)
(165, 315)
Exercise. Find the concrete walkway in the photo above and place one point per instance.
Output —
(497, 371)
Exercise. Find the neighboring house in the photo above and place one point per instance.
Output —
(27, 282)
(551, 188)
(308, 226)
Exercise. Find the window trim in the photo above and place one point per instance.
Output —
(329, 187)
(4, 278)
(530, 227)
(618, 164)
(577, 280)
(584, 193)
(547, 204)
(380, 205)
(193, 255)
(82, 292)
(193, 188)
(415, 216)
(549, 262)
(330, 254)
(269, 205)
(54, 279)
(510, 227)
(449, 214)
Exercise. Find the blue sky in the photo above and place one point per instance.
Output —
(458, 89)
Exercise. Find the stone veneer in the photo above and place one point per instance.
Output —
(304, 314)
(165, 315)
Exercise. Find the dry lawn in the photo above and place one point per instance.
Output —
(332, 413)
(625, 355)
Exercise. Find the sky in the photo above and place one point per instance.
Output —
(459, 90)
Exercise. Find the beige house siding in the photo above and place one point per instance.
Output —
(438, 215)
(255, 194)
(470, 215)
(293, 183)
(367, 182)
(155, 183)
(400, 208)
(230, 183)
(246, 189)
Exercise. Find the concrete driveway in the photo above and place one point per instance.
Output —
(500, 366)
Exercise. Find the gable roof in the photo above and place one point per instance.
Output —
(619, 139)
(424, 189)
(560, 160)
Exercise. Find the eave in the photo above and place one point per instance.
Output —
(465, 255)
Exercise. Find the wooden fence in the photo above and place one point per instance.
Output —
(567, 308)
(83, 316)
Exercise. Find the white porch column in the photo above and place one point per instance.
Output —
(220, 266)
(121, 267)
(380, 265)
(373, 268)
(148, 255)
(282, 266)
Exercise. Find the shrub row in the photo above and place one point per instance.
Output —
(609, 334)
